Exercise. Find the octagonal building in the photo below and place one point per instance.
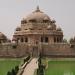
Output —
(38, 28)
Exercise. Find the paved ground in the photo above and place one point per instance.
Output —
(30, 68)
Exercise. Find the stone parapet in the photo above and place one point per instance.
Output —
(22, 49)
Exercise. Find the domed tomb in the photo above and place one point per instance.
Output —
(38, 28)
(3, 38)
(37, 16)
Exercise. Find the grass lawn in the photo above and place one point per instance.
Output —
(60, 68)
(7, 65)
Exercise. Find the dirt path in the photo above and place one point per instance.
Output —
(30, 68)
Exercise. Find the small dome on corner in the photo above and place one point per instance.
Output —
(49, 27)
(59, 29)
(18, 28)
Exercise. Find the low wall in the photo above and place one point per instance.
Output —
(13, 50)
(22, 49)
(59, 50)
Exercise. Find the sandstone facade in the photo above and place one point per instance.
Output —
(37, 33)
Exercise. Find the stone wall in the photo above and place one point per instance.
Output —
(59, 50)
(22, 49)
(13, 50)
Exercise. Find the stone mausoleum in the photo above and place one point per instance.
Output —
(38, 28)
(37, 33)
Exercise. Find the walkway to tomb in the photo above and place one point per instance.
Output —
(31, 67)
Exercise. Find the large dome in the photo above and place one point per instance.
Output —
(38, 16)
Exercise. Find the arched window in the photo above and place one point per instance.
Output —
(46, 39)
(22, 40)
(41, 39)
(26, 39)
(45, 21)
(18, 39)
(54, 39)
(23, 21)
(58, 39)
(31, 28)
(32, 20)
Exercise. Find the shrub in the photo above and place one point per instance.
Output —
(13, 72)
(9, 73)
(40, 70)
(16, 69)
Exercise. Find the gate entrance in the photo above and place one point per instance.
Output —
(35, 52)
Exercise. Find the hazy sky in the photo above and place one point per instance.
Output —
(12, 11)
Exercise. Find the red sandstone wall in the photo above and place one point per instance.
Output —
(59, 50)
(9, 50)
(21, 50)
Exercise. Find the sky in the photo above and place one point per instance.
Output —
(13, 11)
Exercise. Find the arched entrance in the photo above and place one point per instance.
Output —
(35, 51)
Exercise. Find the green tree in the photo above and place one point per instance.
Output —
(9, 73)
(13, 72)
(65, 41)
(72, 40)
(16, 69)
(40, 70)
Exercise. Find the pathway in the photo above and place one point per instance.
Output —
(31, 67)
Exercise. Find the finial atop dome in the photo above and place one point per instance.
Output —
(37, 9)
